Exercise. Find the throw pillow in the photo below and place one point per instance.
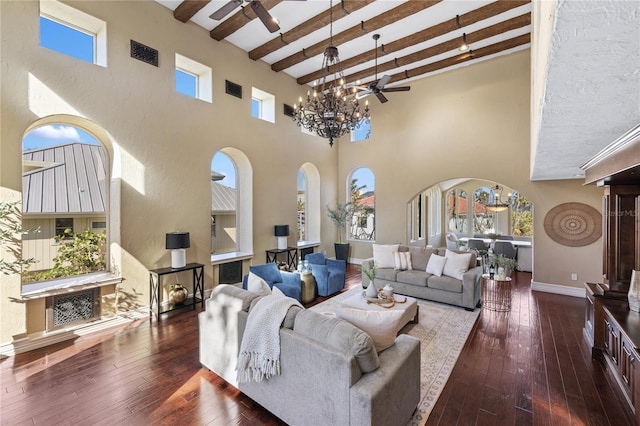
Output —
(257, 285)
(436, 265)
(456, 264)
(381, 326)
(383, 255)
(277, 292)
(402, 260)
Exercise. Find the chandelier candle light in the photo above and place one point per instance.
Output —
(333, 109)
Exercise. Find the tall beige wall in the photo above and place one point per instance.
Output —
(160, 143)
(472, 122)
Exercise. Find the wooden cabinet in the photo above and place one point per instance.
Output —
(621, 353)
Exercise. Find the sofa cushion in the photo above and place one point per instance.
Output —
(436, 264)
(472, 260)
(340, 335)
(413, 277)
(268, 272)
(420, 257)
(257, 285)
(383, 254)
(456, 264)
(445, 283)
(388, 274)
(382, 326)
(402, 260)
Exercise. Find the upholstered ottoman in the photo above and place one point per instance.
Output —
(409, 307)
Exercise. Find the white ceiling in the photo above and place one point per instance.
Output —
(592, 91)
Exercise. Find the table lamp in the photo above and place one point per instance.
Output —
(177, 242)
(282, 232)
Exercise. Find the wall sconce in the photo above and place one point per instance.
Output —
(177, 242)
(282, 232)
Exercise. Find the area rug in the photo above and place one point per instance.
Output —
(443, 331)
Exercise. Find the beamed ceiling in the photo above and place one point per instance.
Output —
(421, 37)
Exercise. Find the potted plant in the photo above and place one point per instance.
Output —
(507, 264)
(340, 216)
(369, 270)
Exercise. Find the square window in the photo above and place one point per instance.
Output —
(62, 224)
(186, 83)
(72, 32)
(362, 131)
(263, 105)
(67, 40)
(193, 78)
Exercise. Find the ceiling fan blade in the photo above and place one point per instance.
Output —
(264, 16)
(396, 89)
(384, 80)
(381, 97)
(225, 10)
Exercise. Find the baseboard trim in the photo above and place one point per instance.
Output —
(559, 289)
(42, 339)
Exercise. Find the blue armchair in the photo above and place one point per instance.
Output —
(328, 273)
(288, 282)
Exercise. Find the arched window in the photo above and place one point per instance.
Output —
(483, 220)
(224, 202)
(362, 198)
(301, 203)
(65, 203)
(457, 208)
(521, 215)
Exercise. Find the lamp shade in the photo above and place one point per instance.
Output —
(177, 240)
(281, 230)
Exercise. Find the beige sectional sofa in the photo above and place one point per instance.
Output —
(416, 282)
(331, 373)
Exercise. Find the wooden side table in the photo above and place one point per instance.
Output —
(308, 283)
(496, 294)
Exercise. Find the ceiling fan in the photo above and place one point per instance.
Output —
(376, 87)
(258, 8)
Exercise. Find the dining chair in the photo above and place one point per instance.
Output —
(505, 248)
(452, 241)
(505, 238)
(479, 245)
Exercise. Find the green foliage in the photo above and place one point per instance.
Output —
(506, 262)
(10, 226)
(340, 216)
(78, 253)
(370, 271)
(521, 216)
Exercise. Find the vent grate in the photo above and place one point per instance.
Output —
(288, 110)
(81, 306)
(233, 89)
(144, 53)
(230, 273)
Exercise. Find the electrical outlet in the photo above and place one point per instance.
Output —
(574, 277)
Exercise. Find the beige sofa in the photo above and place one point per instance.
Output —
(416, 282)
(330, 371)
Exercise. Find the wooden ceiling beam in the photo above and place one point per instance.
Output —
(397, 13)
(188, 8)
(307, 27)
(239, 20)
(440, 29)
(466, 56)
(447, 46)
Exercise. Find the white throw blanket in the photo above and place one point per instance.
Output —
(259, 357)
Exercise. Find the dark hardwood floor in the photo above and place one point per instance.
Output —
(527, 366)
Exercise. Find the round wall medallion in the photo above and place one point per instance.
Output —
(573, 224)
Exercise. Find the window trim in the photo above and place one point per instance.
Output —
(267, 104)
(79, 21)
(203, 74)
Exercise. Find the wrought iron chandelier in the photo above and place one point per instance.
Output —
(332, 110)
